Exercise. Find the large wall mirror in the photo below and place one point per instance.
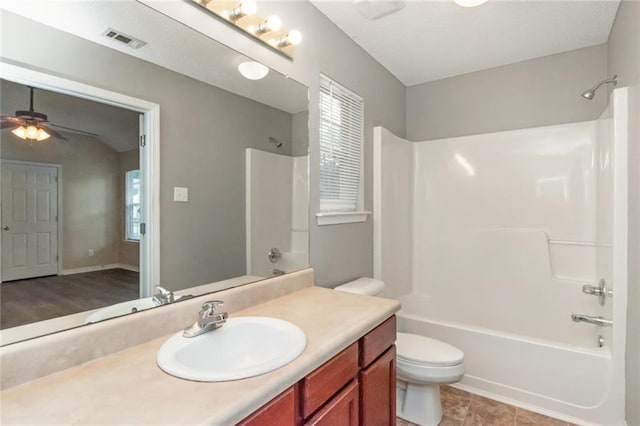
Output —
(231, 178)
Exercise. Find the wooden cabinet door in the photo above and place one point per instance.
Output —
(342, 410)
(280, 411)
(378, 391)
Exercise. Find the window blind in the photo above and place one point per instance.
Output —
(341, 141)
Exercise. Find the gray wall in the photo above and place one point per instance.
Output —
(624, 59)
(341, 252)
(203, 240)
(300, 134)
(538, 92)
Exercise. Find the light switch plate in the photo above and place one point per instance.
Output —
(180, 195)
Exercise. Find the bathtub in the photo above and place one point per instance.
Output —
(534, 374)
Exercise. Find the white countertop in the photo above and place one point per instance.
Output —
(128, 387)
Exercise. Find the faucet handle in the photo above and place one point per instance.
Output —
(162, 296)
(209, 307)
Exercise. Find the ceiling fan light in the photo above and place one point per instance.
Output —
(42, 135)
(20, 132)
(32, 132)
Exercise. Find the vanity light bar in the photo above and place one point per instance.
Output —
(242, 15)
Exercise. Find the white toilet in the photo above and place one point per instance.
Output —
(422, 364)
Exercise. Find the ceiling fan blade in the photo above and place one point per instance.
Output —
(55, 134)
(7, 121)
(72, 129)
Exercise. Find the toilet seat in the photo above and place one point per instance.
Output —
(417, 350)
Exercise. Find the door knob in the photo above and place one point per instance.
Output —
(5, 228)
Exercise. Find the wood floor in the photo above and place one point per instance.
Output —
(38, 299)
(460, 408)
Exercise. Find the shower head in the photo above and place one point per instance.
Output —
(589, 94)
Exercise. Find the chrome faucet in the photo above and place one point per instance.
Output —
(274, 255)
(209, 319)
(599, 321)
(162, 296)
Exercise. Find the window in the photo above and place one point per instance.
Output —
(341, 144)
(132, 205)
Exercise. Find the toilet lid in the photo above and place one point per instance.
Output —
(424, 350)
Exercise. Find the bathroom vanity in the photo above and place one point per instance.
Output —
(357, 386)
(346, 371)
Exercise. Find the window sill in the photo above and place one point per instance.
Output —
(131, 241)
(337, 218)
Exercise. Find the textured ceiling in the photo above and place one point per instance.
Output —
(431, 40)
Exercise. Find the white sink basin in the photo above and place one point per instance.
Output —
(243, 347)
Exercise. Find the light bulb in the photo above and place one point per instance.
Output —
(32, 132)
(20, 132)
(469, 3)
(42, 135)
(248, 7)
(252, 70)
(294, 37)
(273, 23)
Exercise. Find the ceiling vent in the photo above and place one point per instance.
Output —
(123, 38)
(376, 9)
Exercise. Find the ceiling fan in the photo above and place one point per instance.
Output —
(30, 125)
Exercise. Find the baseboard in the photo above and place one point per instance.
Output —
(100, 268)
(132, 268)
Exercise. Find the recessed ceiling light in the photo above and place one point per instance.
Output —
(470, 3)
(253, 70)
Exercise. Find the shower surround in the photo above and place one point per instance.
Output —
(277, 206)
(487, 241)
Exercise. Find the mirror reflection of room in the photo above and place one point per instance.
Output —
(198, 128)
(71, 205)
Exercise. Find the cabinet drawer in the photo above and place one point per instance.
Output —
(377, 341)
(328, 379)
(343, 410)
(279, 411)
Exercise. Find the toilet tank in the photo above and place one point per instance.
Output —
(366, 286)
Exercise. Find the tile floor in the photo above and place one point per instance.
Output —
(462, 408)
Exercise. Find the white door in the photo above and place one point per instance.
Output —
(29, 221)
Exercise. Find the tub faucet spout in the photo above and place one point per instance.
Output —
(599, 321)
